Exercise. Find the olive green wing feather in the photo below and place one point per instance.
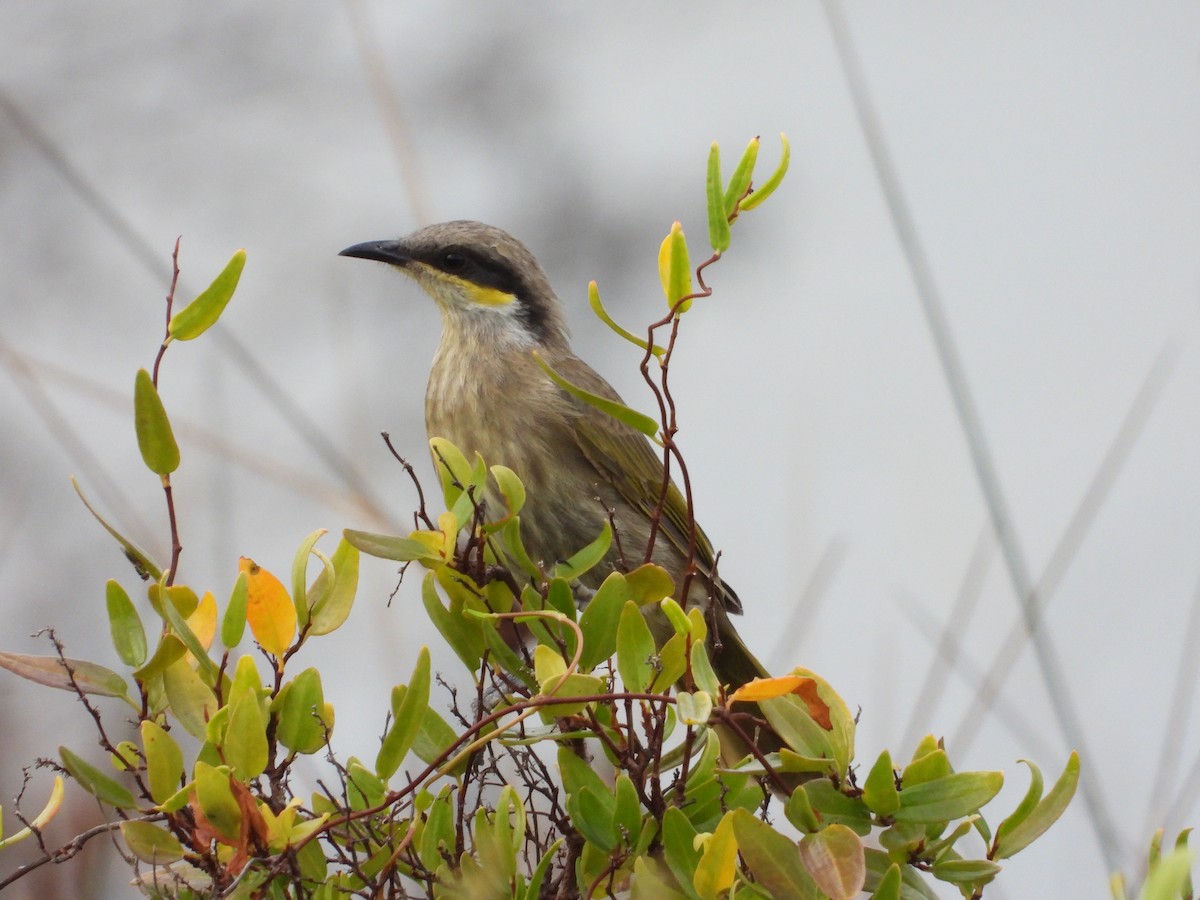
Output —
(639, 476)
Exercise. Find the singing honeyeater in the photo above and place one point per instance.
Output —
(488, 395)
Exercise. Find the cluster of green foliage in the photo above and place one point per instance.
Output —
(591, 761)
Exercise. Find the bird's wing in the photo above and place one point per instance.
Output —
(638, 476)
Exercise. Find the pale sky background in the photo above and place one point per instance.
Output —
(1050, 156)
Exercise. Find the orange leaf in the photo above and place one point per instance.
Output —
(768, 688)
(269, 609)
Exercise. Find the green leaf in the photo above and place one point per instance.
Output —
(889, 885)
(951, 797)
(364, 787)
(216, 799)
(164, 761)
(503, 656)
(928, 767)
(386, 546)
(592, 813)
(635, 648)
(650, 882)
(511, 488)
(1168, 878)
(245, 744)
(675, 269)
(300, 707)
(676, 616)
(834, 807)
(331, 602)
(467, 507)
(199, 315)
(192, 701)
(879, 790)
(56, 672)
(773, 859)
(534, 889)
(773, 182)
(170, 648)
(603, 316)
(800, 813)
(599, 620)
(619, 411)
(563, 688)
(233, 624)
(558, 595)
(740, 180)
(966, 871)
(154, 436)
(912, 884)
(1028, 803)
(452, 468)
(673, 661)
(95, 782)
(407, 723)
(934, 849)
(702, 671)
(790, 718)
(834, 859)
(649, 583)
(151, 843)
(586, 558)
(628, 812)
(464, 637)
(435, 737)
(128, 635)
(718, 219)
(577, 774)
(179, 626)
(300, 575)
(438, 832)
(142, 563)
(514, 547)
(1012, 840)
(679, 849)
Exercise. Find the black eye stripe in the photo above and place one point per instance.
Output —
(478, 268)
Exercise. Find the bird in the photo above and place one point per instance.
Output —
(581, 467)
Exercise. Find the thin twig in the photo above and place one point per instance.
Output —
(420, 515)
(71, 848)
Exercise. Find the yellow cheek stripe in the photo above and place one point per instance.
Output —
(484, 296)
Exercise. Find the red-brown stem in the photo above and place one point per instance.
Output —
(176, 546)
(669, 421)
(170, 302)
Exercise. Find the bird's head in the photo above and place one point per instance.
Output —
(487, 284)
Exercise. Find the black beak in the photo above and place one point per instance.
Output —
(382, 251)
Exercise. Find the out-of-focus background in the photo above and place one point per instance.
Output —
(1045, 156)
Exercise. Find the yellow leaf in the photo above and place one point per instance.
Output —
(269, 609)
(203, 621)
(715, 871)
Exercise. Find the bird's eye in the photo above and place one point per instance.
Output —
(453, 262)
